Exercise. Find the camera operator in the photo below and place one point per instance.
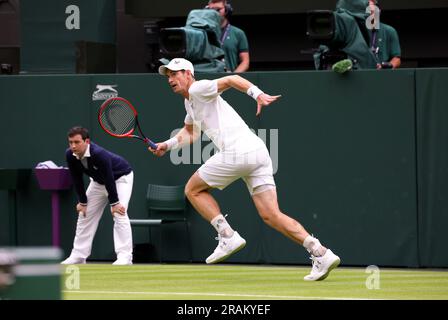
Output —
(383, 39)
(233, 40)
(354, 37)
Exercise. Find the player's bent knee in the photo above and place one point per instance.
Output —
(188, 190)
(192, 189)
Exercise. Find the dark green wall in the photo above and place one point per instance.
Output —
(432, 129)
(347, 160)
(353, 163)
(48, 46)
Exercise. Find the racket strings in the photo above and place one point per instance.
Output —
(118, 118)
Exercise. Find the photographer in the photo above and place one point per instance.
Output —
(198, 41)
(233, 40)
(359, 35)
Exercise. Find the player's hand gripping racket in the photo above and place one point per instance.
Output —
(119, 118)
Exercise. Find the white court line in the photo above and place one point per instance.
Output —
(216, 294)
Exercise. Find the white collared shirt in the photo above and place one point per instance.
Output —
(83, 159)
(218, 120)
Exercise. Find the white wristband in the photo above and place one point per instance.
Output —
(254, 92)
(172, 143)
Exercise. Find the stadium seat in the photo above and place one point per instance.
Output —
(166, 205)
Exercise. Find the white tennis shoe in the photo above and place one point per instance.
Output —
(322, 266)
(72, 260)
(122, 262)
(226, 247)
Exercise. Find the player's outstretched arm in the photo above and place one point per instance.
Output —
(234, 81)
(244, 85)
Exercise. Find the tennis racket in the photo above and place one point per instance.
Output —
(118, 117)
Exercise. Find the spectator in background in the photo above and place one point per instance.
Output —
(233, 40)
(384, 42)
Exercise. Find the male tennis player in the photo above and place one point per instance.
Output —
(241, 154)
(111, 180)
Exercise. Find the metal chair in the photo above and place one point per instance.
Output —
(170, 204)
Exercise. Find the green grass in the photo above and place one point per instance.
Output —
(239, 282)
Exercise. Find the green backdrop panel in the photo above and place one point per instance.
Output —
(347, 162)
(38, 112)
(48, 45)
(432, 125)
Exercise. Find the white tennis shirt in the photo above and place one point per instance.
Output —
(218, 120)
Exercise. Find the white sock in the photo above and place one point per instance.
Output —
(314, 247)
(222, 226)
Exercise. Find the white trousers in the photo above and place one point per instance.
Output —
(97, 200)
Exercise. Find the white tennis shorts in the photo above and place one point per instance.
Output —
(223, 168)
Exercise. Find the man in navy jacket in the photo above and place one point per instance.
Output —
(111, 180)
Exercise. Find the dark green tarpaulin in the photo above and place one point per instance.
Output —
(432, 146)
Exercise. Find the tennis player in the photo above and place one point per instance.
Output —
(111, 180)
(241, 154)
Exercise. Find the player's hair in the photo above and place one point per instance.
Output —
(78, 130)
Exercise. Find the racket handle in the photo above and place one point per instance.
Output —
(150, 143)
